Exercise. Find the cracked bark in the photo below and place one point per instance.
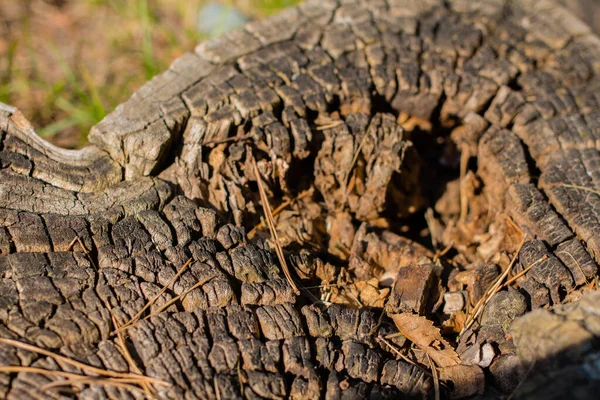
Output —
(515, 82)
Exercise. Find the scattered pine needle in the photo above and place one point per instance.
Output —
(271, 223)
(436, 379)
(148, 389)
(216, 386)
(441, 253)
(279, 209)
(402, 356)
(120, 383)
(179, 297)
(9, 369)
(74, 379)
(526, 270)
(84, 367)
(355, 157)
(514, 224)
(587, 189)
(153, 299)
(587, 282)
(430, 221)
(70, 246)
(77, 239)
(479, 307)
(57, 357)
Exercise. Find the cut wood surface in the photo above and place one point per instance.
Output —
(404, 149)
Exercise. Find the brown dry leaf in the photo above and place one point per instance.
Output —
(421, 332)
(455, 323)
(360, 294)
(347, 295)
(370, 294)
(341, 234)
(377, 253)
(467, 380)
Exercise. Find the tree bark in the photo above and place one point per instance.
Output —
(91, 235)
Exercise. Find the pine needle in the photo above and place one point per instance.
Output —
(84, 367)
(587, 282)
(9, 369)
(279, 209)
(179, 297)
(464, 166)
(355, 158)
(271, 223)
(526, 270)
(479, 307)
(587, 189)
(149, 390)
(84, 249)
(153, 299)
(436, 379)
(216, 386)
(74, 379)
(402, 356)
(120, 383)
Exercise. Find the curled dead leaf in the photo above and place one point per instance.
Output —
(455, 323)
(421, 332)
(370, 293)
(360, 294)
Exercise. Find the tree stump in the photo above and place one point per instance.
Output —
(386, 136)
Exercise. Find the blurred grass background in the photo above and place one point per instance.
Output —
(67, 63)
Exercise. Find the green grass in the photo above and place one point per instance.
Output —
(271, 6)
(146, 36)
(81, 103)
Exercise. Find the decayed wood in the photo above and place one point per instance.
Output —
(348, 100)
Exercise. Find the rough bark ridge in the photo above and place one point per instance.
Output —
(356, 102)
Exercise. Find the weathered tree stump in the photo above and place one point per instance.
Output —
(366, 114)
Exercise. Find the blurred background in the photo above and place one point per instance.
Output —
(67, 63)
